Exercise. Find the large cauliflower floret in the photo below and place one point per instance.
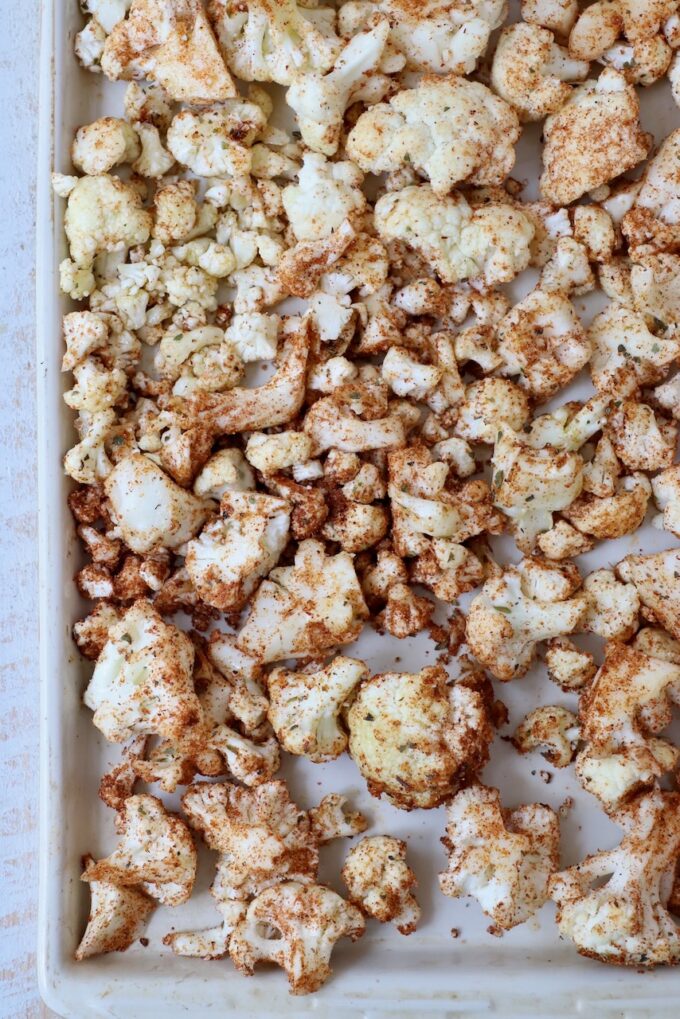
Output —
(117, 917)
(170, 42)
(613, 905)
(531, 72)
(305, 707)
(514, 612)
(656, 578)
(653, 224)
(325, 195)
(264, 41)
(156, 853)
(439, 36)
(490, 243)
(216, 142)
(416, 739)
(449, 129)
(380, 882)
(104, 214)
(501, 857)
(302, 609)
(593, 138)
(627, 354)
(231, 554)
(626, 703)
(295, 926)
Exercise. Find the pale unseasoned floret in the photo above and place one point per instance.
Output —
(254, 335)
(215, 142)
(153, 160)
(104, 214)
(568, 665)
(103, 144)
(380, 882)
(666, 488)
(553, 728)
(656, 579)
(503, 858)
(325, 195)
(117, 918)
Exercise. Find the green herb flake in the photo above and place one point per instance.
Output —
(498, 479)
(505, 609)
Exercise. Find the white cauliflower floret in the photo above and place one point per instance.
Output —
(594, 229)
(656, 579)
(304, 707)
(594, 137)
(88, 461)
(567, 665)
(170, 42)
(325, 195)
(216, 142)
(405, 613)
(449, 129)
(103, 144)
(503, 858)
(552, 727)
(97, 388)
(612, 606)
(527, 604)
(175, 211)
(89, 45)
(275, 42)
(118, 916)
(655, 286)
(302, 609)
(254, 335)
(272, 453)
(146, 103)
(143, 680)
(557, 15)
(247, 700)
(380, 882)
(627, 354)
(563, 542)
(667, 396)
(76, 281)
(666, 488)
(153, 160)
(200, 360)
(416, 739)
(641, 440)
(488, 406)
(156, 853)
(613, 904)
(296, 927)
(331, 819)
(104, 213)
(407, 376)
(626, 703)
(225, 471)
(644, 56)
(319, 101)
(334, 425)
(489, 243)
(531, 72)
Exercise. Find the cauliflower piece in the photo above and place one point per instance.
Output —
(531, 72)
(600, 26)
(666, 488)
(552, 727)
(501, 857)
(667, 396)
(641, 440)
(416, 739)
(231, 554)
(489, 243)
(567, 665)
(247, 700)
(92, 632)
(304, 707)
(272, 453)
(147, 103)
(156, 853)
(612, 905)
(296, 927)
(514, 612)
(76, 281)
(325, 195)
(149, 509)
(594, 137)
(330, 820)
(488, 405)
(563, 542)
(143, 679)
(170, 42)
(557, 15)
(216, 142)
(613, 607)
(200, 360)
(254, 335)
(274, 42)
(103, 144)
(175, 211)
(656, 291)
(406, 613)
(153, 159)
(319, 101)
(225, 471)
(379, 882)
(251, 762)
(97, 388)
(408, 377)
(626, 702)
(331, 424)
(594, 229)
(104, 213)
(615, 515)
(655, 576)
(626, 354)
(449, 129)
(302, 609)
(355, 526)
(118, 916)
(89, 45)
(88, 461)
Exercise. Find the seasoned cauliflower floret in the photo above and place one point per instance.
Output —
(117, 917)
(666, 488)
(641, 440)
(272, 453)
(563, 542)
(627, 354)
(103, 144)
(501, 857)
(215, 142)
(332, 820)
(612, 606)
(325, 195)
(488, 406)
(653, 222)
(104, 213)
(568, 665)
(380, 882)
(415, 738)
(656, 578)
(449, 129)
(614, 515)
(552, 727)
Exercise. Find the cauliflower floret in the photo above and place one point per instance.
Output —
(405, 612)
(247, 700)
(641, 440)
(355, 525)
(488, 406)
(626, 703)
(76, 281)
(262, 41)
(302, 609)
(143, 679)
(233, 552)
(416, 739)
(88, 461)
(594, 137)
(656, 579)
(156, 853)
(655, 286)
(147, 103)
(254, 335)
(89, 45)
(216, 142)
(149, 509)
(563, 542)
(531, 72)
(380, 882)
(325, 195)
(334, 425)
(557, 15)
(153, 159)
(602, 24)
(552, 727)
(503, 858)
(612, 905)
(296, 927)
(567, 665)
(407, 376)
(170, 42)
(626, 353)
(304, 707)
(613, 607)
(527, 604)
(104, 214)
(489, 243)
(331, 820)
(118, 916)
(653, 222)
(103, 144)
(319, 101)
(272, 453)
(92, 632)
(666, 488)
(200, 360)
(449, 129)
(97, 388)
(615, 515)
(667, 396)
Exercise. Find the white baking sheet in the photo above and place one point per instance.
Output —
(529, 972)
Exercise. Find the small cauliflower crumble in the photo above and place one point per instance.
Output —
(253, 487)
